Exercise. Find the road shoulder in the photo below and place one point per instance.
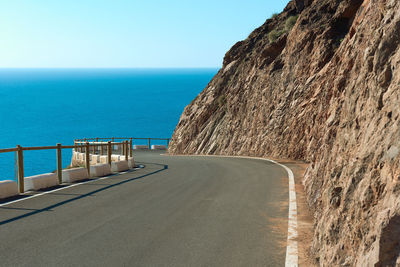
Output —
(304, 216)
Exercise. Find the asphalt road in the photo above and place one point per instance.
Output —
(177, 211)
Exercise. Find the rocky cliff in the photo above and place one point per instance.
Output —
(319, 82)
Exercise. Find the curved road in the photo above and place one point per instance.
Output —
(177, 211)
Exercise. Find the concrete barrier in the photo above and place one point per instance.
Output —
(8, 189)
(40, 181)
(82, 156)
(159, 147)
(74, 175)
(119, 166)
(103, 159)
(131, 162)
(116, 158)
(100, 170)
(106, 169)
(95, 158)
(140, 147)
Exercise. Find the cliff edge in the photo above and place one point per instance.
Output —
(319, 82)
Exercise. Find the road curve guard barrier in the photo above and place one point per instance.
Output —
(95, 158)
(119, 166)
(138, 147)
(8, 188)
(100, 170)
(131, 161)
(117, 158)
(158, 147)
(103, 159)
(74, 175)
(40, 181)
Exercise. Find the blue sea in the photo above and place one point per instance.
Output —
(43, 107)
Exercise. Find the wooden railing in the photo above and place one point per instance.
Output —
(87, 145)
(131, 139)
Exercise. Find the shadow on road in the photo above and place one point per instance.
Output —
(49, 208)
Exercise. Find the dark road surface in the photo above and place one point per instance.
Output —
(177, 211)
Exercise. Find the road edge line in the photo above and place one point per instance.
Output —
(292, 253)
(292, 257)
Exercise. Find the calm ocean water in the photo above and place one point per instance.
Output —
(44, 107)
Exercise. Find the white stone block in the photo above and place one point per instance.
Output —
(8, 189)
(119, 166)
(115, 158)
(159, 147)
(106, 169)
(100, 170)
(40, 181)
(82, 156)
(140, 147)
(96, 170)
(131, 162)
(103, 159)
(74, 175)
(95, 158)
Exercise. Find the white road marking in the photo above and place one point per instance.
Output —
(292, 257)
(62, 188)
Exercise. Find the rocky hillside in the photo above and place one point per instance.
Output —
(319, 82)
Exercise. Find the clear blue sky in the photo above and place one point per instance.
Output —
(125, 33)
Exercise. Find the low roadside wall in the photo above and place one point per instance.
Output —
(8, 189)
(77, 172)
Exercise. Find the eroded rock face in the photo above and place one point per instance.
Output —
(328, 92)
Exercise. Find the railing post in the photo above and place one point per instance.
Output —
(109, 152)
(20, 163)
(126, 150)
(88, 157)
(130, 148)
(101, 148)
(149, 143)
(59, 163)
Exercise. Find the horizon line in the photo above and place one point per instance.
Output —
(109, 68)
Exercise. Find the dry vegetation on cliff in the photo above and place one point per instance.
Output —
(326, 91)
